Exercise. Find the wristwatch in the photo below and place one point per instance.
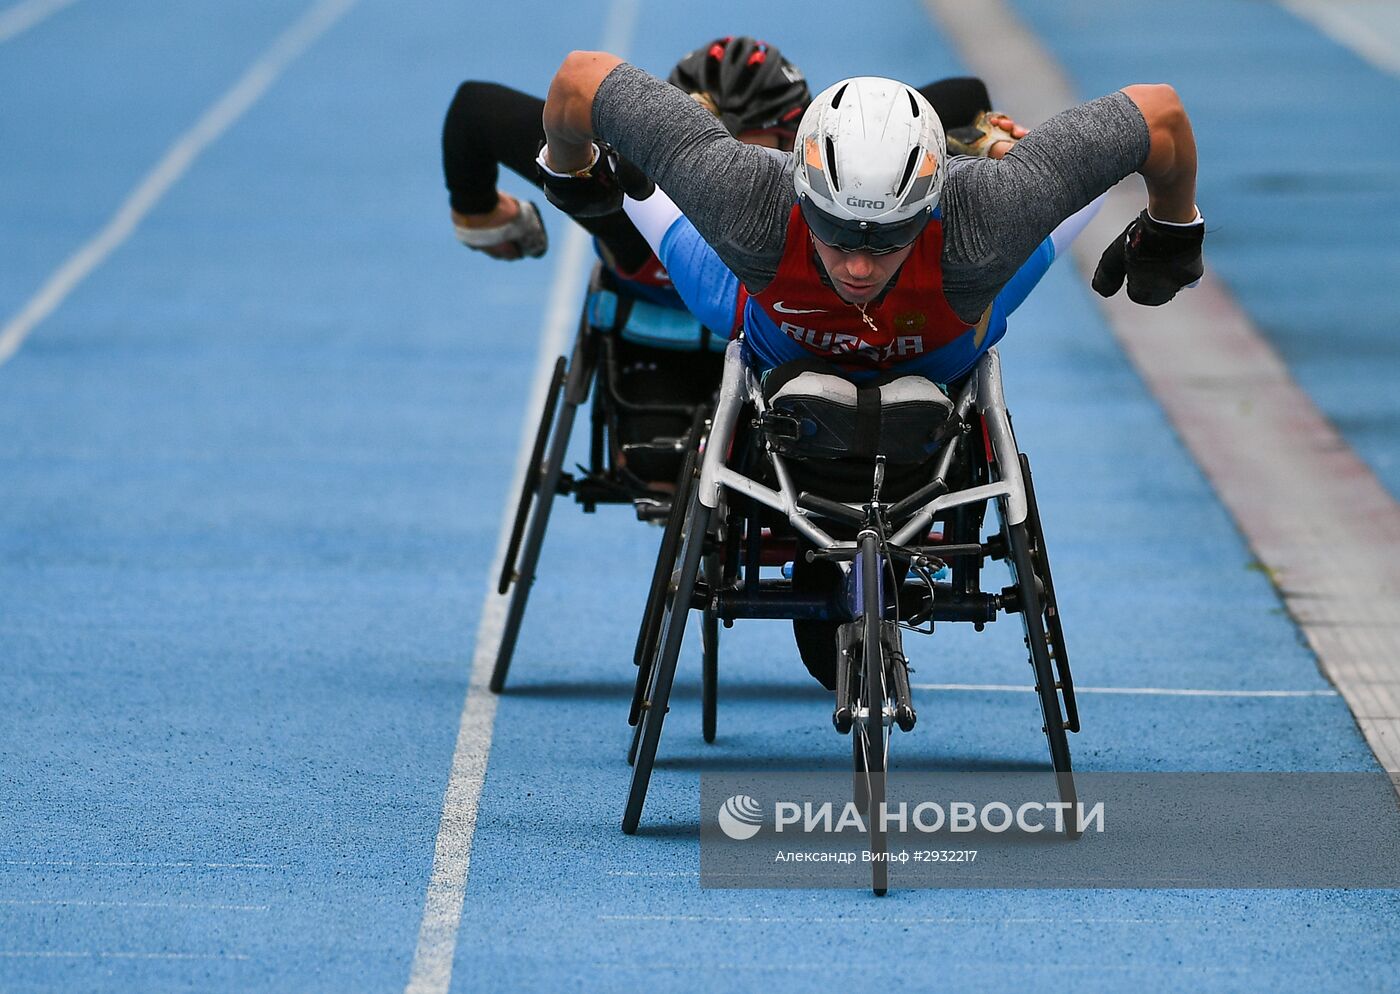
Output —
(585, 173)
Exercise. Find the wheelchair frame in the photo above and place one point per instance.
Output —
(716, 545)
(590, 369)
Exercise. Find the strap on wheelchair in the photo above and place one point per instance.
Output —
(867, 433)
(607, 309)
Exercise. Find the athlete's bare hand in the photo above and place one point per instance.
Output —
(1004, 121)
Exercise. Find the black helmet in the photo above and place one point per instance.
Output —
(748, 83)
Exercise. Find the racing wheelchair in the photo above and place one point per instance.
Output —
(916, 503)
(641, 426)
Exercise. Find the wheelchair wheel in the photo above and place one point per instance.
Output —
(534, 473)
(667, 553)
(709, 641)
(536, 500)
(1054, 629)
(870, 750)
(662, 673)
(1033, 620)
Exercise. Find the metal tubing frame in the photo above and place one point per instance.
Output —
(739, 387)
(991, 404)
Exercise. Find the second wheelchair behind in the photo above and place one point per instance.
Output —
(652, 372)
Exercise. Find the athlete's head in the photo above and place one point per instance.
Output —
(868, 167)
(756, 93)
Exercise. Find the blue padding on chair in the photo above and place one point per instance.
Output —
(652, 325)
(602, 308)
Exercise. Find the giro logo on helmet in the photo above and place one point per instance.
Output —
(872, 204)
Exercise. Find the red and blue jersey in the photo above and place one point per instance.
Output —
(649, 281)
(910, 327)
(799, 315)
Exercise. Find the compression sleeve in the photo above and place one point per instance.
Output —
(738, 196)
(997, 211)
(1071, 227)
(652, 217)
(706, 285)
(1018, 288)
(489, 125)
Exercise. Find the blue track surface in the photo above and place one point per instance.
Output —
(254, 468)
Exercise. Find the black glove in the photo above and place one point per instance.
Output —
(1158, 260)
(635, 183)
(598, 192)
(525, 234)
(591, 193)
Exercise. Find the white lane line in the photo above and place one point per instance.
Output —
(177, 160)
(855, 920)
(1370, 28)
(139, 864)
(709, 966)
(1312, 511)
(1159, 691)
(160, 905)
(110, 954)
(431, 971)
(452, 852)
(23, 16)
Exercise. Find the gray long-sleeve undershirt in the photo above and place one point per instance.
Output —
(995, 212)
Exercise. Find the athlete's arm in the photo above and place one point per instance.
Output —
(997, 211)
(1170, 168)
(708, 288)
(487, 126)
(711, 292)
(568, 110)
(738, 196)
(1019, 287)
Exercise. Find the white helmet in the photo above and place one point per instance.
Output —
(868, 164)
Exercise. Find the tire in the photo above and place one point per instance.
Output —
(537, 500)
(533, 474)
(872, 752)
(860, 781)
(658, 599)
(1033, 620)
(672, 633)
(709, 638)
(669, 549)
(1054, 627)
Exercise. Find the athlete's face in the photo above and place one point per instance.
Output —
(860, 276)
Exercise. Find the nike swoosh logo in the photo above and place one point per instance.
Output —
(778, 306)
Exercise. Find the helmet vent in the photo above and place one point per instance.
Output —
(836, 100)
(831, 163)
(908, 171)
(913, 104)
